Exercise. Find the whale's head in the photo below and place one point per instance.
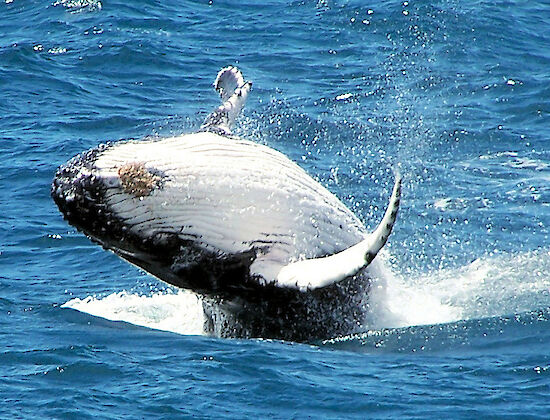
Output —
(119, 197)
(82, 189)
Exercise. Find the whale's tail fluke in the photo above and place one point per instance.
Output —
(233, 90)
(320, 272)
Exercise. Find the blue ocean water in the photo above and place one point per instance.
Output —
(456, 94)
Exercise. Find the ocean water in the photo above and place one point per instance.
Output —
(456, 94)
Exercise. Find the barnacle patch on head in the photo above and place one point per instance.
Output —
(137, 180)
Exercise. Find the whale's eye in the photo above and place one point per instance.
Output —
(137, 180)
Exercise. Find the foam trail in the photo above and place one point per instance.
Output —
(179, 312)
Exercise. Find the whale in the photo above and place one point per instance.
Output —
(270, 251)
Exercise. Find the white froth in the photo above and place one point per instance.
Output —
(176, 312)
(487, 287)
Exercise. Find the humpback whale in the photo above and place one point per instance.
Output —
(271, 251)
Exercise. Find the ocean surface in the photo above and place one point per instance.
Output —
(456, 94)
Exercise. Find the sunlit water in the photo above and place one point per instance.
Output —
(454, 94)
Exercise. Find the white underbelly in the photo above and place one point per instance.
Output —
(231, 195)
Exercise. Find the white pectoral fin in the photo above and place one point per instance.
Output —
(320, 272)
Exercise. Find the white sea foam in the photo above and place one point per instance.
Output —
(492, 286)
(179, 312)
(487, 287)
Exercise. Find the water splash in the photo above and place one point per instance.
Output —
(77, 6)
(488, 287)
